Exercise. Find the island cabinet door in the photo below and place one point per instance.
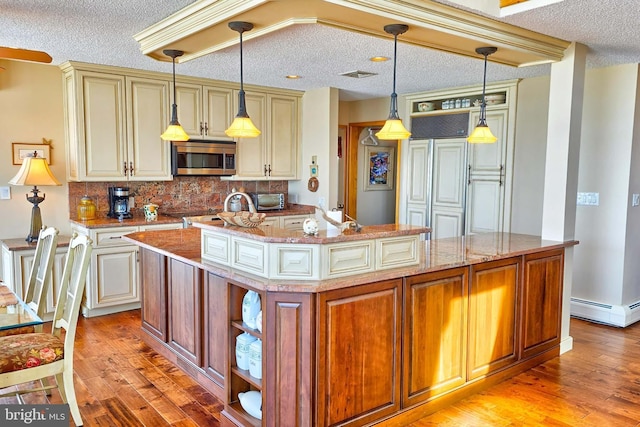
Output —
(215, 327)
(541, 301)
(153, 287)
(358, 353)
(435, 334)
(493, 316)
(185, 310)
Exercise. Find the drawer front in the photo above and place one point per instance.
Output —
(294, 262)
(250, 256)
(103, 237)
(215, 247)
(170, 226)
(396, 252)
(344, 260)
(293, 222)
(271, 222)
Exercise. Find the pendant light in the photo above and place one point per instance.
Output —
(393, 127)
(482, 134)
(242, 126)
(174, 132)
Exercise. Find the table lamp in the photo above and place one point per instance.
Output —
(34, 171)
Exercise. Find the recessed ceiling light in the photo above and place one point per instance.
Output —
(379, 59)
(293, 76)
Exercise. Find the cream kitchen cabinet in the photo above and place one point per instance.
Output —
(113, 125)
(274, 153)
(113, 279)
(289, 222)
(204, 112)
(17, 259)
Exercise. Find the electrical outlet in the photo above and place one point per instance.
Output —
(635, 200)
(588, 199)
(5, 193)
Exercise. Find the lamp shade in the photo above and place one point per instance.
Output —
(34, 171)
(242, 127)
(482, 135)
(175, 133)
(393, 129)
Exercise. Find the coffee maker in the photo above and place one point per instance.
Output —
(119, 203)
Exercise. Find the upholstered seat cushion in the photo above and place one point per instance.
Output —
(29, 350)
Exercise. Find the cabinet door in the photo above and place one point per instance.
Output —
(148, 156)
(485, 205)
(489, 158)
(113, 277)
(448, 195)
(216, 322)
(435, 337)
(185, 310)
(282, 156)
(359, 343)
(492, 316)
(103, 129)
(153, 290)
(218, 112)
(541, 302)
(251, 159)
(189, 100)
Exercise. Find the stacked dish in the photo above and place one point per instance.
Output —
(498, 98)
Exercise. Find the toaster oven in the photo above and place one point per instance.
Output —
(268, 201)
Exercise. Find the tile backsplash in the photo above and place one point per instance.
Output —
(183, 194)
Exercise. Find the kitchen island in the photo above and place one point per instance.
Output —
(385, 346)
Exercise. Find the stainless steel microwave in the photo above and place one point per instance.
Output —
(203, 158)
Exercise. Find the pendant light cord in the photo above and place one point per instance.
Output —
(483, 110)
(241, 67)
(174, 91)
(394, 96)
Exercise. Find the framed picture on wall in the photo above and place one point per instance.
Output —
(379, 168)
(22, 150)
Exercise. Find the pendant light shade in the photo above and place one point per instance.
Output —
(174, 132)
(482, 134)
(242, 126)
(393, 127)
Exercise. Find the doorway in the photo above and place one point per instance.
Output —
(370, 192)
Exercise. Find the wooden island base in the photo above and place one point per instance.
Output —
(358, 351)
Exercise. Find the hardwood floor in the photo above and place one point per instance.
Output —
(122, 382)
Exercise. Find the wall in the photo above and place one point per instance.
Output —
(605, 167)
(31, 99)
(529, 155)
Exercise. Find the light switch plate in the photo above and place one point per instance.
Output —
(5, 193)
(635, 200)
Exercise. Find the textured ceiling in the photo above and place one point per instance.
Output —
(101, 31)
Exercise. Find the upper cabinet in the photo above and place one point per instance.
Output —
(113, 126)
(204, 112)
(114, 118)
(274, 153)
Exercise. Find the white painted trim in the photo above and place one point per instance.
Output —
(614, 315)
(566, 345)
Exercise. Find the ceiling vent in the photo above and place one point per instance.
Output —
(357, 74)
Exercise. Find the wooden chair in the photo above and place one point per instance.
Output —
(37, 284)
(30, 357)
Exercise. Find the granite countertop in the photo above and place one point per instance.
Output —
(103, 221)
(20, 244)
(281, 235)
(435, 255)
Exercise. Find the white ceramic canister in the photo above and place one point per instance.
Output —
(255, 359)
(250, 308)
(243, 341)
(259, 321)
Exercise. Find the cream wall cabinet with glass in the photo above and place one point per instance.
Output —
(113, 280)
(113, 126)
(274, 153)
(16, 267)
(204, 112)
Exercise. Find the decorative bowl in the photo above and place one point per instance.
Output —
(245, 219)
